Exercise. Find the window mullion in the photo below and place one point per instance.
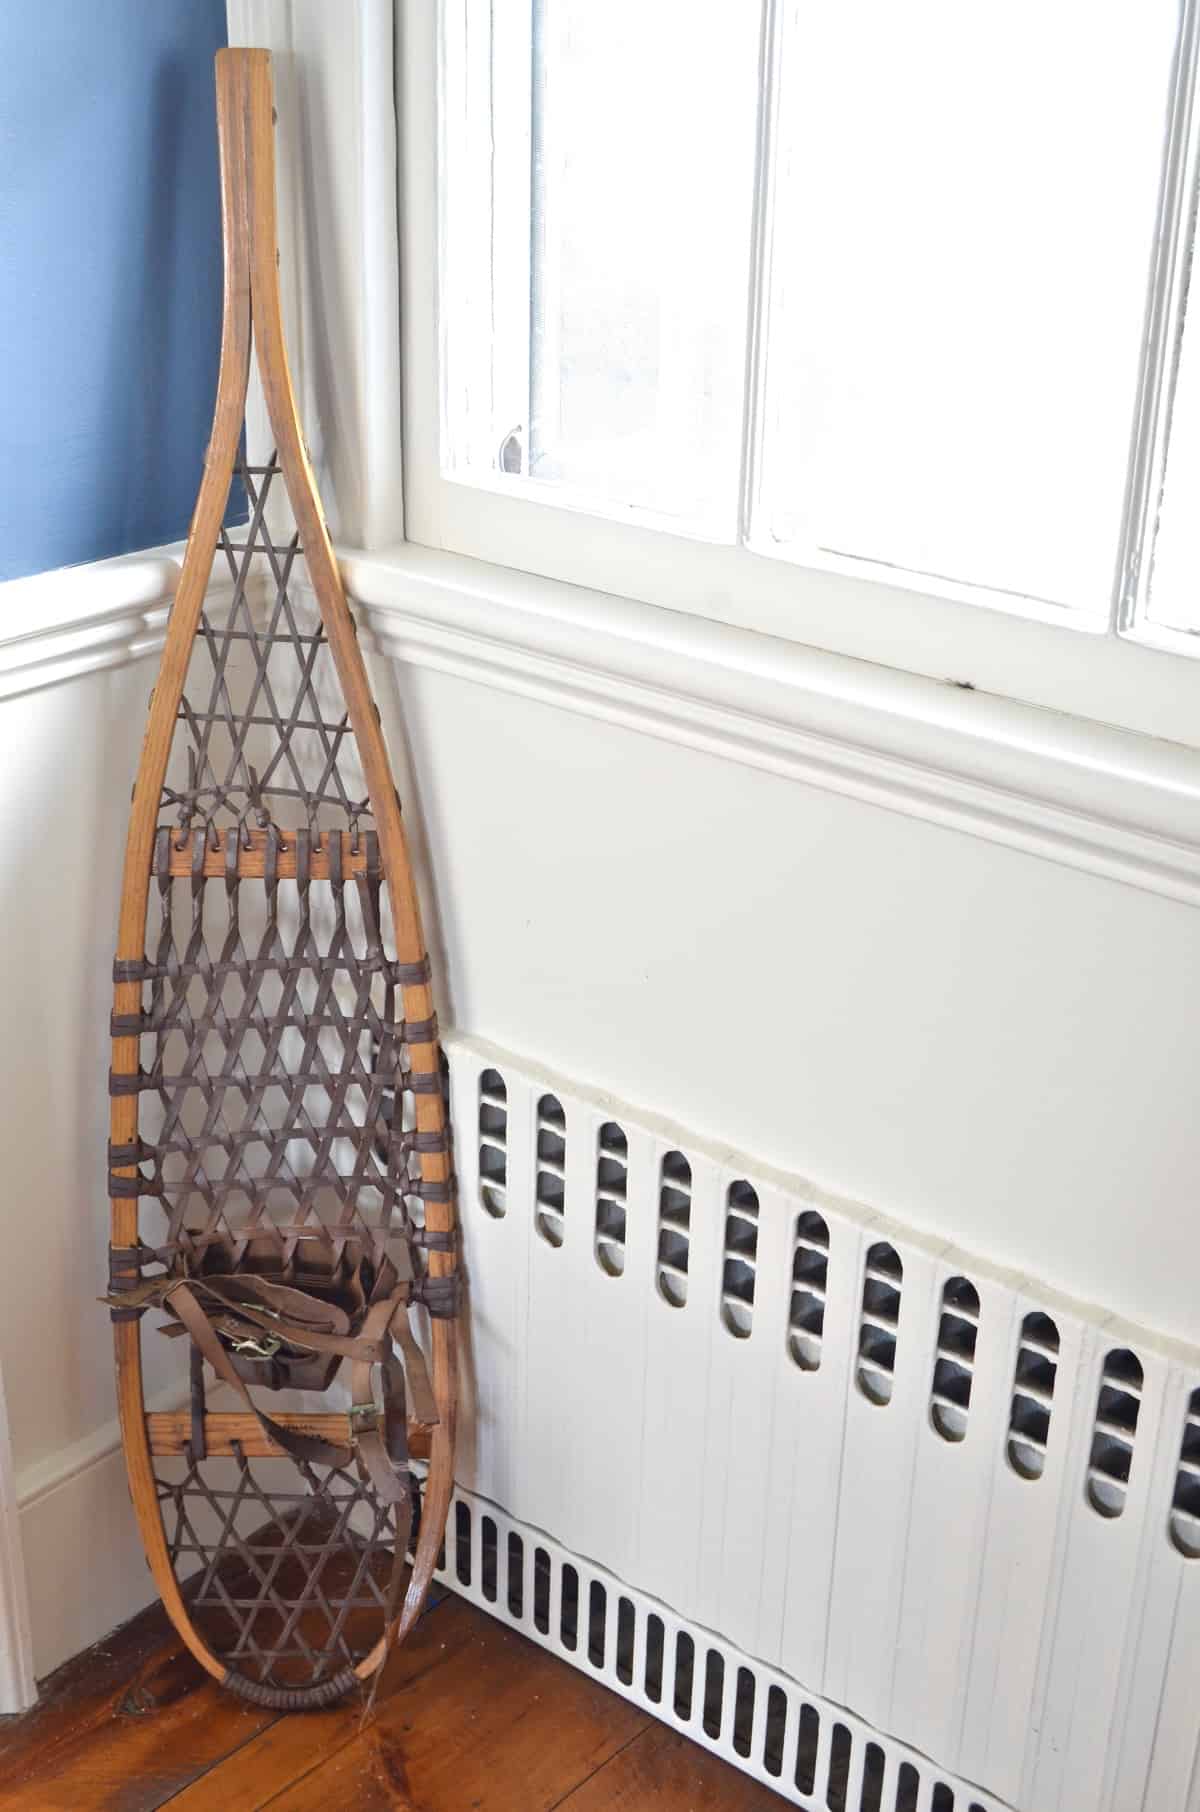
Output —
(758, 287)
(1165, 309)
(1164, 330)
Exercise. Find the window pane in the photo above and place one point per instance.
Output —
(961, 231)
(599, 183)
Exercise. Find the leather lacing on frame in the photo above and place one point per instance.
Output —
(277, 1094)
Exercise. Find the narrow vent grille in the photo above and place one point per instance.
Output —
(612, 1175)
(815, 1754)
(741, 1259)
(1033, 1395)
(674, 1228)
(954, 1361)
(1185, 1505)
(1114, 1432)
(883, 1275)
(810, 1279)
(550, 1195)
(493, 1143)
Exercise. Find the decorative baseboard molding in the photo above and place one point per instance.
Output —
(17, 1689)
(59, 626)
(84, 1564)
(73, 1505)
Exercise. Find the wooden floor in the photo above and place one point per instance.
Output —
(470, 1718)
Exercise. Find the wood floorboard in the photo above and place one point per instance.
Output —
(662, 1771)
(470, 1717)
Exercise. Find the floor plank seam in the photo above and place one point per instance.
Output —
(637, 1737)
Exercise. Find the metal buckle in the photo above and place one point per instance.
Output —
(364, 1419)
(258, 1346)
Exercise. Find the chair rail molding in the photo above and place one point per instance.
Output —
(1099, 799)
(1104, 800)
(58, 626)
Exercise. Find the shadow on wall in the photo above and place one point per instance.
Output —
(110, 297)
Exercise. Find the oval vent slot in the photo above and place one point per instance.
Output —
(493, 1143)
(1185, 1505)
(810, 1278)
(741, 1259)
(1033, 1395)
(551, 1169)
(954, 1362)
(883, 1275)
(612, 1171)
(1114, 1432)
(674, 1225)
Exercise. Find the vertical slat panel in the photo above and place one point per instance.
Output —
(553, 1363)
(1175, 1758)
(875, 1499)
(1079, 1708)
(559, 1361)
(494, 1258)
(949, 1516)
(1149, 1740)
(606, 1393)
(806, 1462)
(679, 1344)
(1017, 1589)
(752, 1371)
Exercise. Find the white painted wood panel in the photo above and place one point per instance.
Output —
(991, 1619)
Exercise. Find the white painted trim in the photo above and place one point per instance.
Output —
(17, 1688)
(467, 1052)
(334, 68)
(1096, 798)
(1022, 648)
(59, 625)
(1103, 800)
(743, 1749)
(73, 1505)
(927, 1593)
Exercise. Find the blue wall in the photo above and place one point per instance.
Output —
(110, 273)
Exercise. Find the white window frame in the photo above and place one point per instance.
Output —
(1114, 666)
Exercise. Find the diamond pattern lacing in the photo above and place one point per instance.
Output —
(273, 676)
(276, 1086)
(293, 1583)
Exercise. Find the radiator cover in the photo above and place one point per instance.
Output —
(931, 1531)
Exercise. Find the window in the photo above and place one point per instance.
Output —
(826, 320)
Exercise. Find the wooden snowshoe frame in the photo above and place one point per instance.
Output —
(226, 840)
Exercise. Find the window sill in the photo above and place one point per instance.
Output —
(1105, 800)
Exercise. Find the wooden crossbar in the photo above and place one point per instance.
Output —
(250, 862)
(169, 1431)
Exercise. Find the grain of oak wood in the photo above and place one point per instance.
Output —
(470, 1717)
